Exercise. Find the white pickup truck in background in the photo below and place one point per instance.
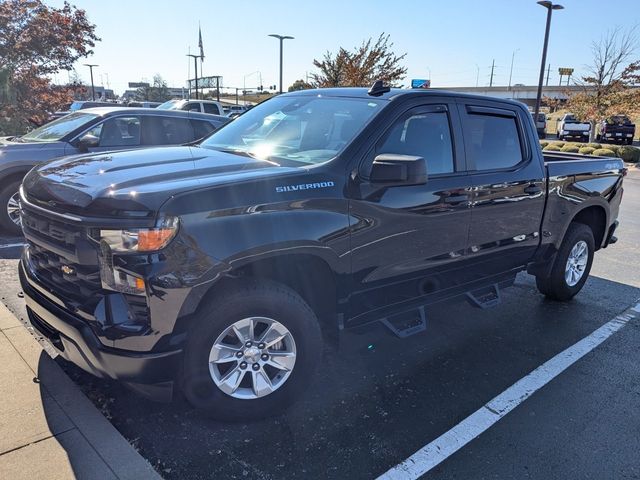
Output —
(570, 127)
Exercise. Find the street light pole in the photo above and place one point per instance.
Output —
(550, 7)
(513, 55)
(195, 63)
(281, 38)
(93, 90)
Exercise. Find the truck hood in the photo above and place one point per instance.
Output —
(135, 182)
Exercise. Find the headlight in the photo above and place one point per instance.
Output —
(141, 239)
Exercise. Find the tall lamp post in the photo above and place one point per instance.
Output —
(550, 8)
(195, 63)
(513, 56)
(93, 90)
(282, 38)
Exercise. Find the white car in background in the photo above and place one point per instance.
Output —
(202, 106)
(570, 127)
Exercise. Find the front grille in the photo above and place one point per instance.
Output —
(66, 259)
(74, 281)
(63, 256)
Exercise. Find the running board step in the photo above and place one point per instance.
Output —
(485, 297)
(407, 323)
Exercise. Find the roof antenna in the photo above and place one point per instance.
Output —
(378, 89)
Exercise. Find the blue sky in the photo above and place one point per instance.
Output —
(449, 41)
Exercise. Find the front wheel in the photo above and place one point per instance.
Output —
(251, 352)
(571, 266)
(10, 209)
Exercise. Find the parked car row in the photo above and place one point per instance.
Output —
(96, 130)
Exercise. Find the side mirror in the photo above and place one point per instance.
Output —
(390, 169)
(87, 141)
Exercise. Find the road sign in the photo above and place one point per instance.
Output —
(207, 82)
(565, 71)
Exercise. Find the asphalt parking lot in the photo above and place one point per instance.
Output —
(378, 399)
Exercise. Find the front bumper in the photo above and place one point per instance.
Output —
(152, 374)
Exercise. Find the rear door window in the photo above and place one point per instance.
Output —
(211, 108)
(201, 128)
(158, 130)
(492, 141)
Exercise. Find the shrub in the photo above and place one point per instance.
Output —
(595, 146)
(629, 154)
(543, 144)
(586, 150)
(613, 148)
(559, 144)
(552, 147)
(570, 149)
(604, 152)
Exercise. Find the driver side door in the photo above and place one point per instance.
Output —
(410, 241)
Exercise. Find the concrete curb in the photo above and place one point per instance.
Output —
(86, 424)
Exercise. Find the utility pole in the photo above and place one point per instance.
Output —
(281, 38)
(195, 63)
(477, 74)
(550, 8)
(548, 73)
(93, 90)
(493, 64)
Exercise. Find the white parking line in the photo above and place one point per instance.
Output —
(478, 422)
(11, 245)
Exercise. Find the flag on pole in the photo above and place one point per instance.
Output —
(200, 43)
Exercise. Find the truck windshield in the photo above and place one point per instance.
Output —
(169, 105)
(54, 131)
(307, 130)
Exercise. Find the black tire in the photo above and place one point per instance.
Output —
(250, 299)
(6, 224)
(555, 286)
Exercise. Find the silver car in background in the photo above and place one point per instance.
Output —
(92, 130)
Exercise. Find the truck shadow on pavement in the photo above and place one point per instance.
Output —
(376, 399)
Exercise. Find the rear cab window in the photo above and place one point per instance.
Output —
(493, 138)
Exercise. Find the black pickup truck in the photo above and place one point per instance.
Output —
(219, 268)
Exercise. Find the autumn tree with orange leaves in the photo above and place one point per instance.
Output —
(361, 67)
(606, 87)
(37, 41)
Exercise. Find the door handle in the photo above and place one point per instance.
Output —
(532, 190)
(456, 199)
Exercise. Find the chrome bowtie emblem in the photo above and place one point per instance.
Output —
(67, 270)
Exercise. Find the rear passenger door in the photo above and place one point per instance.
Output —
(508, 186)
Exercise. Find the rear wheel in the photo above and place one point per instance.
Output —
(9, 208)
(571, 266)
(251, 352)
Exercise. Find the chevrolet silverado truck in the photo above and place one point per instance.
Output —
(220, 269)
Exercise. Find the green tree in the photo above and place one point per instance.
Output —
(299, 85)
(37, 41)
(362, 66)
(606, 87)
(157, 92)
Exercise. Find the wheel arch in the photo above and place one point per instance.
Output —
(595, 217)
(310, 276)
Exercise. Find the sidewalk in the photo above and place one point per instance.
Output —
(48, 428)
